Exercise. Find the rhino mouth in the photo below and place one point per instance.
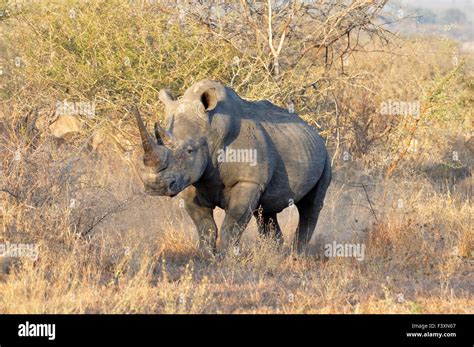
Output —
(166, 187)
(154, 192)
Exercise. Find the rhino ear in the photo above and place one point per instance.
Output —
(165, 97)
(209, 99)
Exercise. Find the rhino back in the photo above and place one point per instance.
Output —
(298, 162)
(291, 154)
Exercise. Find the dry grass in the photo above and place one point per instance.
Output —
(145, 259)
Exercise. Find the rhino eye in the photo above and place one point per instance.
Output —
(189, 149)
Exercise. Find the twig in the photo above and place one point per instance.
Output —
(370, 203)
(11, 193)
(116, 209)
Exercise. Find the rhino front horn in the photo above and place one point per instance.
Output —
(155, 154)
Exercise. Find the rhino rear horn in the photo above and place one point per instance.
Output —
(159, 133)
(163, 137)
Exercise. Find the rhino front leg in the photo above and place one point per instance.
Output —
(243, 200)
(203, 219)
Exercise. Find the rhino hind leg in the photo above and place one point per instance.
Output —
(309, 208)
(268, 227)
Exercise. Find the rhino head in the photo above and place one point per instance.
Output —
(179, 155)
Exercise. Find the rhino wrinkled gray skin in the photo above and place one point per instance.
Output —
(204, 152)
